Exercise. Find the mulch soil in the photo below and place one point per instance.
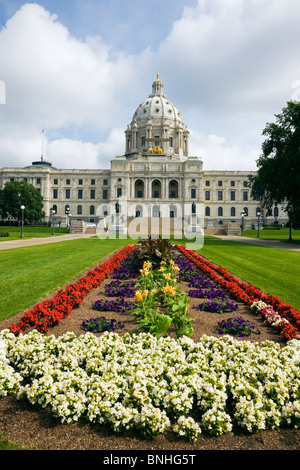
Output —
(36, 428)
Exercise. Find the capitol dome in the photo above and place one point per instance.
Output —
(157, 127)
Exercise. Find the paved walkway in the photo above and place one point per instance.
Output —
(260, 242)
(21, 242)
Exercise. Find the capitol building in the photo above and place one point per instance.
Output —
(155, 182)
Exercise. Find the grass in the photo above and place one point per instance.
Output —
(281, 234)
(5, 444)
(273, 270)
(30, 231)
(30, 273)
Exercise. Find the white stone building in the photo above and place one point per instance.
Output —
(156, 179)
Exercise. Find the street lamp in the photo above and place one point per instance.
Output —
(22, 234)
(52, 212)
(258, 213)
(243, 213)
(68, 213)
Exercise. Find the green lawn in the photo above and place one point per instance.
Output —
(30, 273)
(275, 271)
(282, 234)
(30, 231)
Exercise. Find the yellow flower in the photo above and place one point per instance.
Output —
(140, 294)
(167, 276)
(169, 290)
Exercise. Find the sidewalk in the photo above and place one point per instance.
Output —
(258, 241)
(21, 242)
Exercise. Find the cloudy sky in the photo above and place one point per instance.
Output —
(79, 68)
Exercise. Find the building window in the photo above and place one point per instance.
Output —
(220, 195)
(92, 194)
(207, 195)
(232, 212)
(55, 194)
(80, 182)
(245, 183)
(139, 193)
(232, 183)
(156, 141)
(55, 181)
(246, 211)
(232, 195)
(143, 141)
(11, 180)
(245, 196)
(193, 193)
(79, 193)
(119, 192)
(207, 211)
(68, 194)
(220, 183)
(79, 210)
(38, 181)
(104, 194)
(276, 212)
(68, 181)
(171, 142)
(220, 211)
(207, 183)
(92, 182)
(92, 210)
(105, 182)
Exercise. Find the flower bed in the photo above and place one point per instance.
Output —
(150, 383)
(247, 293)
(50, 312)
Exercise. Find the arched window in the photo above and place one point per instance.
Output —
(139, 211)
(92, 210)
(156, 189)
(79, 210)
(232, 212)
(173, 189)
(207, 211)
(139, 188)
(220, 211)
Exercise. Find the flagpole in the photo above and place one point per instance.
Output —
(42, 156)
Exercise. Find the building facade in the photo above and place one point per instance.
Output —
(155, 178)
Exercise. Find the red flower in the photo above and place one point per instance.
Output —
(50, 312)
(246, 293)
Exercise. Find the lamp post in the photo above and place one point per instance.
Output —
(52, 212)
(258, 217)
(243, 213)
(68, 213)
(22, 226)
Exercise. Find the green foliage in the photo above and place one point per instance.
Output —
(18, 193)
(278, 177)
(160, 303)
(155, 249)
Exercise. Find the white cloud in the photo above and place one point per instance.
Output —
(229, 65)
(66, 153)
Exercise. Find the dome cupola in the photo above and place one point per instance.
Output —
(157, 127)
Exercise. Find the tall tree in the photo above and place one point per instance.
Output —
(277, 181)
(18, 193)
